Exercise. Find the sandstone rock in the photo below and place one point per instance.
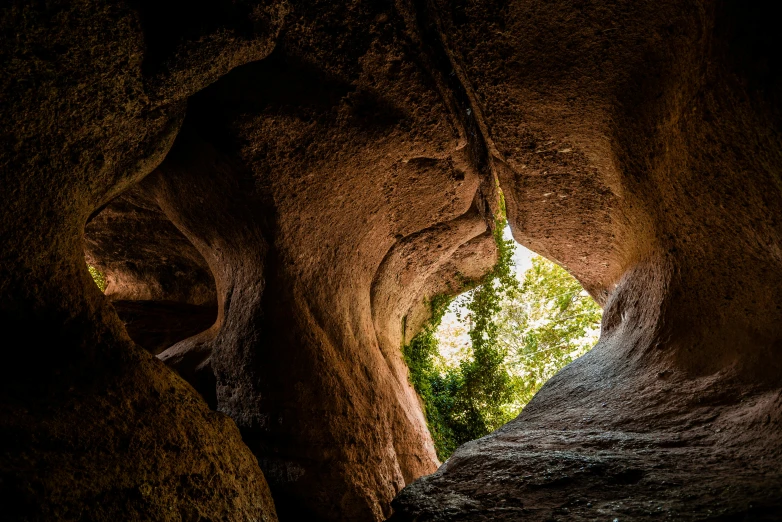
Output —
(94, 428)
(160, 286)
(143, 255)
(316, 172)
(666, 207)
(300, 258)
(157, 325)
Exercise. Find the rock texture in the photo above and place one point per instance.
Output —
(314, 172)
(94, 428)
(157, 325)
(638, 145)
(143, 255)
(320, 192)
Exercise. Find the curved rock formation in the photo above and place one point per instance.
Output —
(94, 428)
(639, 147)
(143, 255)
(318, 171)
(158, 283)
(300, 250)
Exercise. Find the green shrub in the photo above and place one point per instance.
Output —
(98, 277)
(521, 333)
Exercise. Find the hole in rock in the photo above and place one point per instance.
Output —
(159, 284)
(483, 355)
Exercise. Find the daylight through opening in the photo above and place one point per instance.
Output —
(159, 284)
(484, 354)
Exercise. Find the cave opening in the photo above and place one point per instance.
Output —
(338, 165)
(156, 280)
(485, 353)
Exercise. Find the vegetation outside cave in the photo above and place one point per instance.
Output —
(98, 276)
(483, 355)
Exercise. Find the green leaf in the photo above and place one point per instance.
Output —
(521, 334)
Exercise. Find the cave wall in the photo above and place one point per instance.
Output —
(94, 428)
(638, 145)
(158, 283)
(331, 197)
(319, 393)
(143, 256)
(318, 171)
(341, 183)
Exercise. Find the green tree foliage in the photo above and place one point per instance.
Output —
(98, 277)
(432, 386)
(483, 382)
(521, 333)
(552, 322)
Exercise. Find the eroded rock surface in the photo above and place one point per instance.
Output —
(308, 254)
(639, 147)
(318, 171)
(93, 427)
(144, 257)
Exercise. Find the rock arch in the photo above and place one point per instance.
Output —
(334, 165)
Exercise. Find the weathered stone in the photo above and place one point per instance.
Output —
(338, 165)
(93, 427)
(143, 255)
(638, 145)
(301, 252)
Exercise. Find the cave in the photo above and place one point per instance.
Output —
(276, 190)
(159, 284)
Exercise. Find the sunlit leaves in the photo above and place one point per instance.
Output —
(552, 322)
(521, 333)
(98, 277)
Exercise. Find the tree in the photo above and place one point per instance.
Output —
(551, 322)
(483, 384)
(521, 333)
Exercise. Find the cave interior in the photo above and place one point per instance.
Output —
(276, 189)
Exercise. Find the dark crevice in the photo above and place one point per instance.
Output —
(156, 325)
(440, 63)
(169, 25)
